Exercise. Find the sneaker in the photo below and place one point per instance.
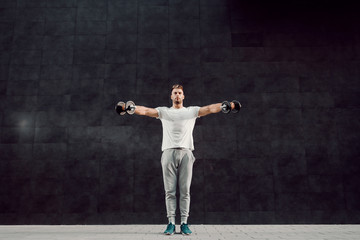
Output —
(185, 229)
(170, 229)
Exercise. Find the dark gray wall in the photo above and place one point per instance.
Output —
(291, 155)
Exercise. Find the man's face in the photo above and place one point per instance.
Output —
(177, 96)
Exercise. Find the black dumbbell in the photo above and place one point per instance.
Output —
(120, 108)
(225, 107)
(237, 106)
(129, 107)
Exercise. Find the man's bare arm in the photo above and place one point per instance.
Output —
(145, 111)
(213, 108)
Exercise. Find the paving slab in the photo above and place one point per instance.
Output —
(203, 232)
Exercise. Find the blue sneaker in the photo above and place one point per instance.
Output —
(185, 229)
(170, 229)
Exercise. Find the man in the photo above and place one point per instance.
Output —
(177, 145)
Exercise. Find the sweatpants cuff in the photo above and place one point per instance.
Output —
(172, 220)
(184, 219)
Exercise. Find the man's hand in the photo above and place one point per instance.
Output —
(235, 106)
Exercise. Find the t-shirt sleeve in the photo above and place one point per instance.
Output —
(159, 110)
(195, 111)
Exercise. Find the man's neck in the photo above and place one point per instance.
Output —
(177, 106)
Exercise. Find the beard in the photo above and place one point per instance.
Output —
(179, 101)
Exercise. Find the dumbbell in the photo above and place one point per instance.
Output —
(129, 107)
(226, 106)
(120, 108)
(237, 106)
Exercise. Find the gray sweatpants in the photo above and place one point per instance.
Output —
(177, 167)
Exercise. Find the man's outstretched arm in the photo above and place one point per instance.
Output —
(145, 111)
(213, 108)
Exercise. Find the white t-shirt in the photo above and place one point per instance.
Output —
(178, 126)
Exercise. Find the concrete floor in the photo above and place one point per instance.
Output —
(130, 232)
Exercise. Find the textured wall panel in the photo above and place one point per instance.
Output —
(290, 156)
